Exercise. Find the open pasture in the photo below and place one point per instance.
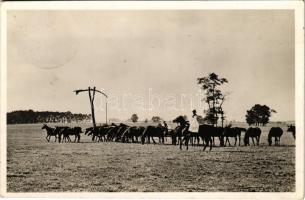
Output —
(35, 165)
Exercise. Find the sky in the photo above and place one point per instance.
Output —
(148, 62)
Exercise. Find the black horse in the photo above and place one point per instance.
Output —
(71, 131)
(113, 129)
(232, 132)
(117, 135)
(151, 132)
(59, 132)
(253, 133)
(132, 134)
(50, 132)
(99, 134)
(291, 128)
(207, 132)
(275, 132)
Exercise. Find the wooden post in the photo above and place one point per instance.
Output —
(91, 98)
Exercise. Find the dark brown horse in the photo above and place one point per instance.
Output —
(234, 132)
(253, 133)
(71, 131)
(151, 132)
(132, 134)
(50, 132)
(275, 132)
(207, 132)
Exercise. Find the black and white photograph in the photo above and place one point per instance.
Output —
(153, 98)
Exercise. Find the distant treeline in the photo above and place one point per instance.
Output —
(30, 116)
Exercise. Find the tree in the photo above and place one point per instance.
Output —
(259, 115)
(134, 118)
(214, 97)
(156, 119)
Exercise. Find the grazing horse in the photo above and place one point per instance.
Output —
(99, 134)
(232, 132)
(206, 132)
(117, 135)
(275, 132)
(113, 129)
(50, 132)
(253, 133)
(182, 130)
(291, 128)
(132, 133)
(71, 131)
(151, 132)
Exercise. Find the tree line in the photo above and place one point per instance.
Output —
(30, 116)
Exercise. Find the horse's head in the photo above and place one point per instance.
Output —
(44, 126)
(291, 128)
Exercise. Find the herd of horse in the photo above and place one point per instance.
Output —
(179, 135)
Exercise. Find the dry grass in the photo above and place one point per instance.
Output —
(34, 165)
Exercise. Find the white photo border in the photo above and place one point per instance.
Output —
(297, 6)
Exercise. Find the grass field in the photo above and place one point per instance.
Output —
(34, 165)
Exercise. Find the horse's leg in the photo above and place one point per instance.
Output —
(229, 141)
(154, 140)
(75, 138)
(187, 142)
(180, 145)
(235, 140)
(253, 141)
(206, 143)
(238, 140)
(211, 144)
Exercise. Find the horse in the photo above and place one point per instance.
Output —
(50, 132)
(253, 133)
(113, 129)
(151, 132)
(97, 134)
(182, 131)
(291, 129)
(275, 132)
(58, 131)
(206, 132)
(132, 133)
(71, 131)
(232, 132)
(119, 133)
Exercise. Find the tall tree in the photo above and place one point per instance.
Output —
(259, 115)
(214, 97)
